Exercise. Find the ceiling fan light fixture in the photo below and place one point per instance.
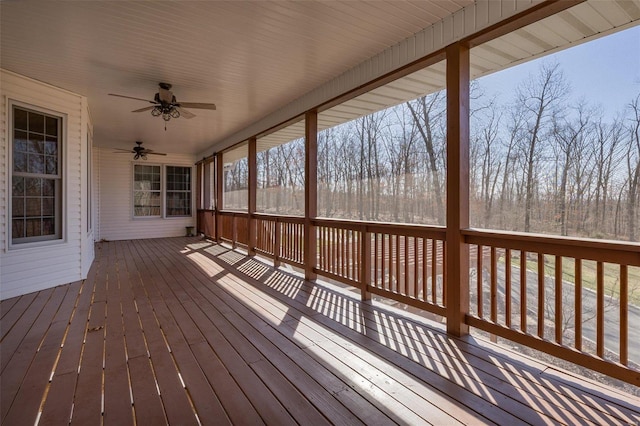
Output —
(166, 105)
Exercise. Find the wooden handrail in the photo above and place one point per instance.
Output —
(426, 231)
(580, 248)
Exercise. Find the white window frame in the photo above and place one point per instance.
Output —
(60, 199)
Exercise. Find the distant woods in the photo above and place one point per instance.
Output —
(540, 161)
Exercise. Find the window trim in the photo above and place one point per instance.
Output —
(60, 201)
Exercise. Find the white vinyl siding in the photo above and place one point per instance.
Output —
(29, 267)
(114, 200)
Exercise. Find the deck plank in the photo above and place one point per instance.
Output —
(191, 331)
(14, 335)
(5, 308)
(546, 409)
(208, 405)
(27, 401)
(88, 398)
(117, 399)
(18, 363)
(274, 347)
(174, 397)
(59, 401)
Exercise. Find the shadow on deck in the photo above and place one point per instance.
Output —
(185, 331)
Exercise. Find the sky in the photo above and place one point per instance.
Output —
(605, 71)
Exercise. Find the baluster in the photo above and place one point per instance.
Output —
(405, 279)
(434, 270)
(424, 269)
(600, 309)
(558, 299)
(523, 291)
(494, 285)
(624, 315)
(507, 286)
(416, 256)
(578, 304)
(480, 286)
(541, 295)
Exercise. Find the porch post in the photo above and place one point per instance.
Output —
(310, 192)
(199, 204)
(457, 253)
(219, 176)
(253, 183)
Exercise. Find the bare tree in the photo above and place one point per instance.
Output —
(540, 99)
(633, 167)
(428, 113)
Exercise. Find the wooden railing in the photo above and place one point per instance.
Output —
(404, 263)
(234, 227)
(206, 222)
(565, 296)
(568, 297)
(280, 238)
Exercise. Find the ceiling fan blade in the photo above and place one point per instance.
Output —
(123, 150)
(154, 153)
(197, 105)
(184, 113)
(131, 97)
(149, 108)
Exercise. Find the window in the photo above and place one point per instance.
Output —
(178, 191)
(147, 195)
(36, 181)
(153, 184)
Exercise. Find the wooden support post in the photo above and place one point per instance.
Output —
(457, 252)
(253, 185)
(219, 177)
(200, 217)
(310, 193)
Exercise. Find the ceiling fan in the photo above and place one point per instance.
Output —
(138, 150)
(165, 105)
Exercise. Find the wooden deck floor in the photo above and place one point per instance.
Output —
(183, 331)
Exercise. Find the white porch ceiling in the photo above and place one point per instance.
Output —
(249, 57)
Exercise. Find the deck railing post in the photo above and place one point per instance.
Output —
(252, 205)
(219, 196)
(457, 252)
(199, 192)
(310, 193)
